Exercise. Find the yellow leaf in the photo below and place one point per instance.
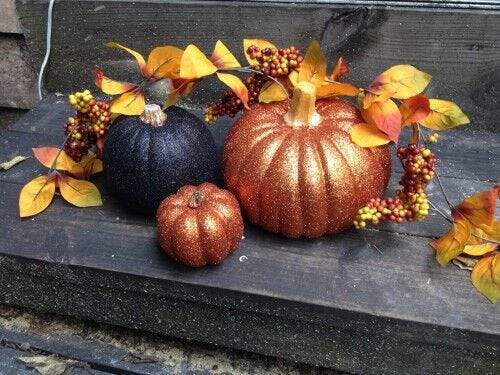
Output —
(477, 250)
(137, 55)
(335, 89)
(293, 77)
(79, 192)
(272, 92)
(341, 69)
(452, 244)
(313, 67)
(194, 64)
(444, 115)
(491, 232)
(223, 58)
(47, 155)
(261, 43)
(36, 195)
(86, 167)
(129, 103)
(164, 62)
(109, 86)
(369, 98)
(400, 82)
(236, 85)
(366, 135)
(485, 277)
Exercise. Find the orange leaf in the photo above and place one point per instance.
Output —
(414, 109)
(36, 195)
(79, 192)
(129, 103)
(335, 89)
(485, 277)
(385, 116)
(261, 43)
(86, 167)
(479, 209)
(369, 98)
(272, 92)
(137, 55)
(194, 64)
(237, 86)
(180, 87)
(444, 115)
(452, 244)
(400, 82)
(164, 62)
(47, 155)
(341, 69)
(109, 86)
(313, 67)
(366, 135)
(223, 58)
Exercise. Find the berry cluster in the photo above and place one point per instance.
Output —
(89, 124)
(275, 62)
(411, 201)
(230, 104)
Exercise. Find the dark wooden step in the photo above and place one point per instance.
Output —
(334, 301)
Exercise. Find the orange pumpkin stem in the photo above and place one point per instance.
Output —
(195, 199)
(303, 108)
(153, 115)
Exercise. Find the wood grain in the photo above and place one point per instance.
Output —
(457, 46)
(9, 22)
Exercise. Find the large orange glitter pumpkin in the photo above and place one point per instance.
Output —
(297, 172)
(199, 225)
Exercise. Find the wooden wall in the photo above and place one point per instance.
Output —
(17, 77)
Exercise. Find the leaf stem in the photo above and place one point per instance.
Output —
(440, 212)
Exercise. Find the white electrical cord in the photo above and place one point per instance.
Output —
(47, 50)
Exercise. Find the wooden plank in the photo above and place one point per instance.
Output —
(319, 301)
(18, 88)
(458, 47)
(9, 22)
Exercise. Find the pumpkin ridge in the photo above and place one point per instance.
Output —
(328, 185)
(251, 152)
(346, 161)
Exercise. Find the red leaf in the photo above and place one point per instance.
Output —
(415, 109)
(341, 69)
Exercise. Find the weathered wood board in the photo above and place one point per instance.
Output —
(335, 301)
(455, 41)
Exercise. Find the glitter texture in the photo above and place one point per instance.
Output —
(302, 181)
(200, 233)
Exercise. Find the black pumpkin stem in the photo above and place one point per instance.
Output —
(195, 199)
(153, 115)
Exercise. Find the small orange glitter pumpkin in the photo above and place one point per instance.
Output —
(199, 225)
(297, 172)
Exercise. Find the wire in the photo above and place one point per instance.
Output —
(47, 50)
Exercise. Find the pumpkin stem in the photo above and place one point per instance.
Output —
(303, 109)
(195, 199)
(153, 115)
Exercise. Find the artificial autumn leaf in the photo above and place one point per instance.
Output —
(237, 86)
(271, 92)
(137, 56)
(335, 89)
(86, 167)
(313, 67)
(414, 109)
(385, 116)
(109, 86)
(369, 98)
(179, 87)
(223, 58)
(79, 192)
(444, 115)
(367, 135)
(485, 277)
(479, 209)
(452, 243)
(130, 103)
(194, 64)
(47, 155)
(164, 62)
(481, 249)
(341, 69)
(261, 43)
(490, 232)
(36, 195)
(400, 82)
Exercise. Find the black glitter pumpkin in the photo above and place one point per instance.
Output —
(147, 158)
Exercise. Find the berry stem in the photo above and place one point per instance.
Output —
(440, 212)
(250, 70)
(415, 133)
(443, 191)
